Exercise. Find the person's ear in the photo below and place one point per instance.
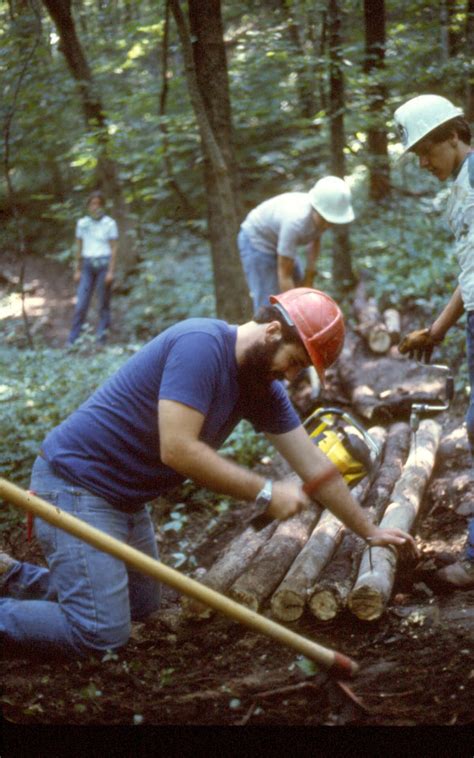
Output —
(273, 332)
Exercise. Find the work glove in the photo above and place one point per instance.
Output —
(418, 344)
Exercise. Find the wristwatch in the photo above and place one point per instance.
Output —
(264, 497)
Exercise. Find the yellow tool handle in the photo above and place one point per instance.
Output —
(337, 663)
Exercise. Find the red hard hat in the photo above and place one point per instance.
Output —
(318, 321)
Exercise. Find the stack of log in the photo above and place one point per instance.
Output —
(379, 330)
(312, 561)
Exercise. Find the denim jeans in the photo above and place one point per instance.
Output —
(470, 416)
(261, 271)
(93, 273)
(86, 599)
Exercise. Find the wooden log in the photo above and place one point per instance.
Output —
(329, 594)
(233, 561)
(289, 599)
(371, 325)
(391, 319)
(376, 576)
(271, 564)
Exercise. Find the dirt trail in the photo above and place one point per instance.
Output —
(49, 297)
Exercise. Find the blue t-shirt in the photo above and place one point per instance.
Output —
(110, 445)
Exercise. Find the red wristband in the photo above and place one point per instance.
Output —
(313, 484)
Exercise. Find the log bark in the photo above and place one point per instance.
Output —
(371, 325)
(329, 595)
(289, 599)
(391, 319)
(376, 576)
(271, 564)
(233, 561)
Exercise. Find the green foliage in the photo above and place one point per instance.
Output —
(245, 446)
(38, 389)
(173, 281)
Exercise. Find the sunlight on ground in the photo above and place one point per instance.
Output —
(10, 306)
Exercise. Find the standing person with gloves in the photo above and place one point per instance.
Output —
(437, 132)
(156, 422)
(270, 235)
(96, 255)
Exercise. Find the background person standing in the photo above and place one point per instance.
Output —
(96, 255)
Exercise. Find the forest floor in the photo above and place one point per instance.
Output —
(416, 661)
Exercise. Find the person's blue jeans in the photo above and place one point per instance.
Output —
(470, 416)
(261, 271)
(86, 599)
(93, 273)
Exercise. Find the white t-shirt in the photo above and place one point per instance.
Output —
(281, 224)
(460, 213)
(96, 236)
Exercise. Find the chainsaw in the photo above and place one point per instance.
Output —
(346, 443)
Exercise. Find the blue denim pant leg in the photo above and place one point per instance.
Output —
(96, 595)
(104, 292)
(92, 277)
(470, 417)
(261, 271)
(26, 581)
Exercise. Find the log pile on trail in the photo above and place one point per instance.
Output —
(312, 563)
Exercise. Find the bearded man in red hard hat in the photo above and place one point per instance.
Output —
(157, 421)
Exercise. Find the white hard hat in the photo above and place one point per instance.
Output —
(331, 198)
(419, 116)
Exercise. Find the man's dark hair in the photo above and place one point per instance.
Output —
(443, 132)
(268, 313)
(96, 194)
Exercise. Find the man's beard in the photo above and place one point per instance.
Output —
(255, 368)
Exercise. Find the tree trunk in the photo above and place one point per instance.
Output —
(377, 143)
(330, 593)
(376, 576)
(206, 75)
(342, 273)
(107, 169)
(273, 561)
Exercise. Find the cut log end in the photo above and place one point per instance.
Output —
(287, 605)
(379, 340)
(366, 603)
(247, 599)
(325, 605)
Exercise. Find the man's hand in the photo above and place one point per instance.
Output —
(393, 536)
(77, 275)
(287, 499)
(418, 344)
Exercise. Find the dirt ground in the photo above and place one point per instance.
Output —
(416, 662)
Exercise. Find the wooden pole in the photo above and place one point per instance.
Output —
(335, 662)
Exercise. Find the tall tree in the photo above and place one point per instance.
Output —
(377, 143)
(206, 75)
(93, 110)
(342, 264)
